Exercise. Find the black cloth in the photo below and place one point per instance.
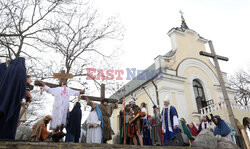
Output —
(12, 90)
(2, 70)
(74, 125)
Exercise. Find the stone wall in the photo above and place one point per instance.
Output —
(46, 145)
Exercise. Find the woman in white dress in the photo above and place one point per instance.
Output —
(94, 125)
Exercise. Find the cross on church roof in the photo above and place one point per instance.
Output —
(183, 23)
(181, 12)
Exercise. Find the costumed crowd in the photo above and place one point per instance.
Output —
(162, 127)
(136, 126)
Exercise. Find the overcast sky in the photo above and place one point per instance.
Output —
(147, 22)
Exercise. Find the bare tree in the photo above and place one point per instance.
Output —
(241, 82)
(72, 33)
(20, 22)
(71, 30)
(76, 39)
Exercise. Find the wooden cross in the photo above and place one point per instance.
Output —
(64, 76)
(61, 76)
(93, 98)
(222, 83)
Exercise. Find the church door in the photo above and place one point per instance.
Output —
(199, 95)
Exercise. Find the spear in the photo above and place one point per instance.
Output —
(124, 119)
(148, 95)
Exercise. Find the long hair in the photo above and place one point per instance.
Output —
(143, 105)
(62, 82)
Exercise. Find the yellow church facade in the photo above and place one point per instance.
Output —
(189, 78)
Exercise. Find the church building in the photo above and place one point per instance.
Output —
(189, 78)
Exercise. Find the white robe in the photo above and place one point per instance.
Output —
(94, 135)
(61, 104)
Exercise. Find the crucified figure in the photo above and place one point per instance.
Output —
(61, 104)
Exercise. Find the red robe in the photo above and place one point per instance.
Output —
(193, 130)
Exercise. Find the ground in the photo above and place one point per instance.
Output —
(43, 145)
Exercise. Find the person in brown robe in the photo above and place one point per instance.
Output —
(107, 110)
(39, 130)
(135, 123)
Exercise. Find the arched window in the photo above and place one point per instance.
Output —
(199, 95)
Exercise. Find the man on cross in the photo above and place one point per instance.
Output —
(61, 104)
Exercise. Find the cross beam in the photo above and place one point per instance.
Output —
(39, 83)
(203, 53)
(222, 83)
(99, 99)
(83, 97)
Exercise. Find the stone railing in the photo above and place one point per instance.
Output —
(222, 106)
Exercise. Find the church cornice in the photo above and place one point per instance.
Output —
(174, 52)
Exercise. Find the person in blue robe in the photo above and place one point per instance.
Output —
(221, 128)
(100, 117)
(74, 124)
(12, 90)
(145, 128)
(170, 123)
(146, 132)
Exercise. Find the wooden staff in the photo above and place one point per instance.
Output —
(124, 118)
(25, 107)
